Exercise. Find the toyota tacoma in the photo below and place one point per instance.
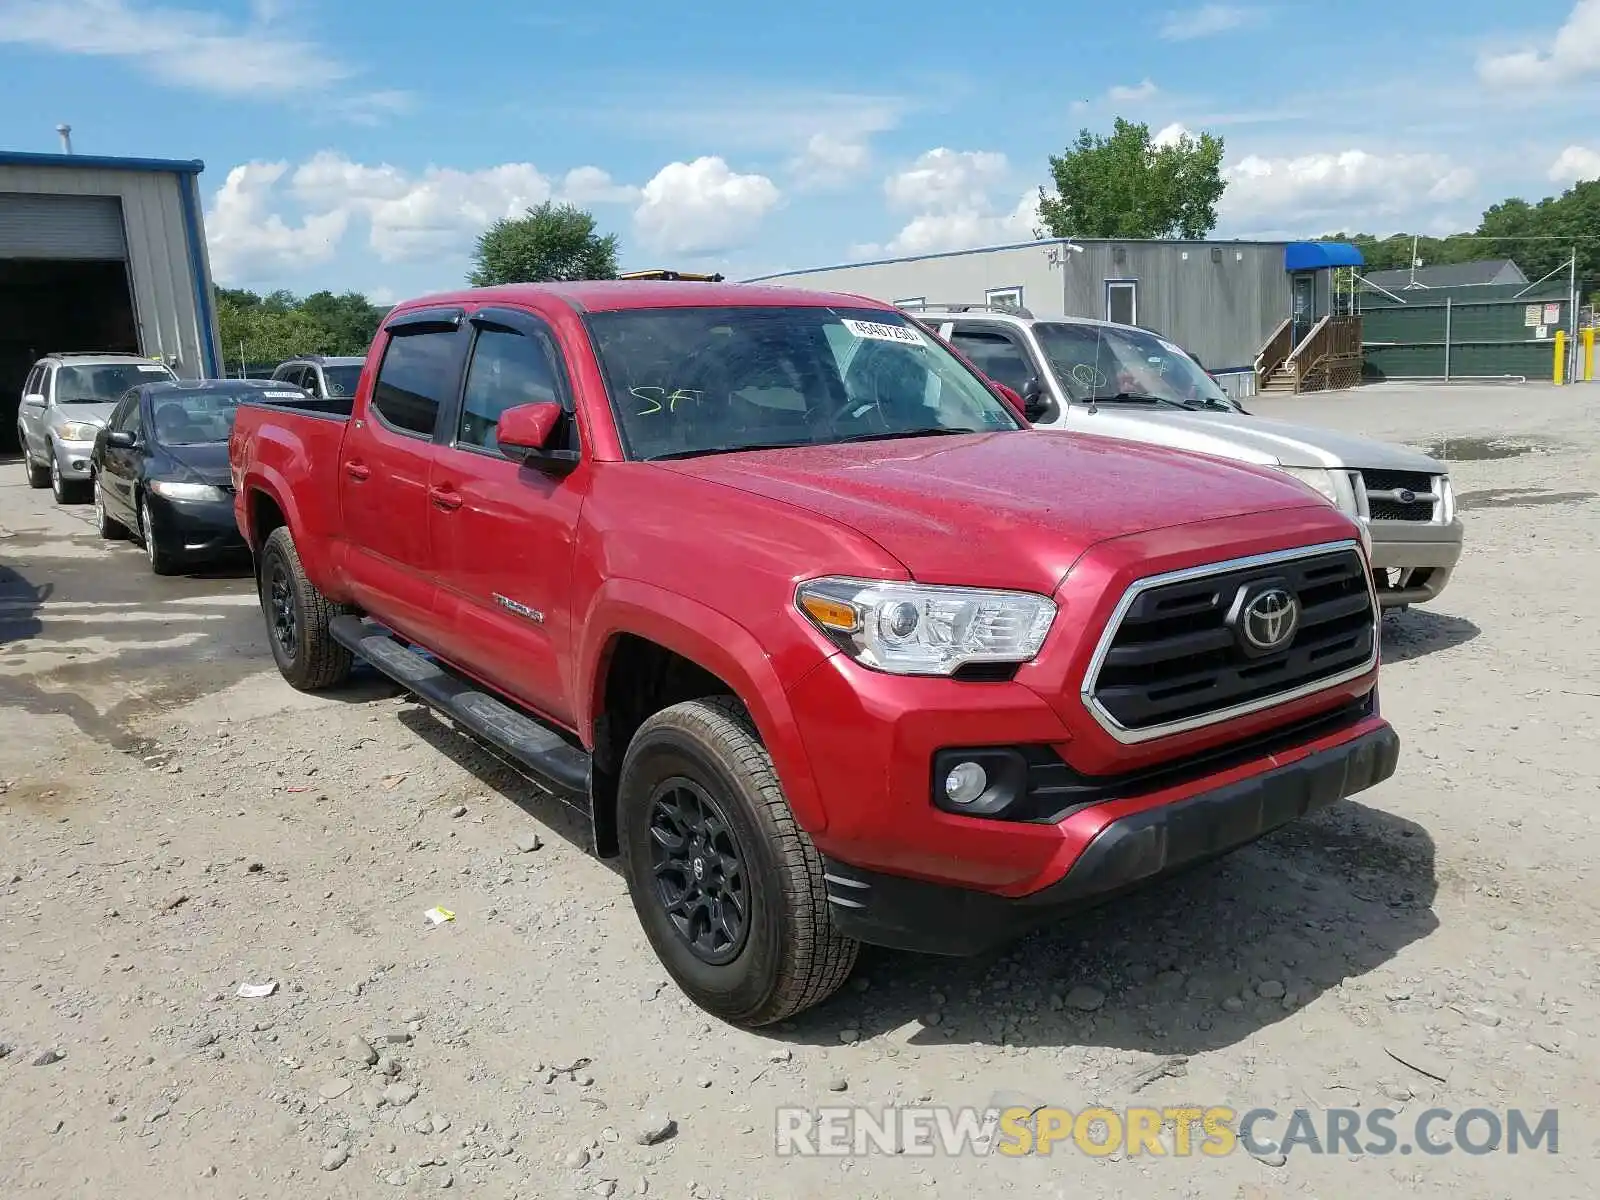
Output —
(791, 604)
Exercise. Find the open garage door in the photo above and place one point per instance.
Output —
(63, 285)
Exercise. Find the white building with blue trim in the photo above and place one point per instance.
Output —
(101, 253)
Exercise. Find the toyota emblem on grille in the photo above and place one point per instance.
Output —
(1265, 617)
(1406, 496)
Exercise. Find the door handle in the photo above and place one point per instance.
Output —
(446, 498)
(357, 470)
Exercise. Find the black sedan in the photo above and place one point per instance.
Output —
(160, 468)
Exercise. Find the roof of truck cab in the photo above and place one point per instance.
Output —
(612, 295)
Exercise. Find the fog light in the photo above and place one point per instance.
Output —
(965, 783)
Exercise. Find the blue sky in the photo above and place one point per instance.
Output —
(363, 145)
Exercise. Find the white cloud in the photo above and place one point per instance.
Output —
(1572, 54)
(1207, 20)
(1348, 186)
(739, 116)
(246, 239)
(1170, 135)
(1575, 163)
(945, 180)
(409, 215)
(966, 228)
(192, 49)
(949, 192)
(702, 207)
(584, 186)
(829, 161)
(1132, 94)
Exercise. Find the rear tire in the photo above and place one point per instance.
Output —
(298, 617)
(698, 790)
(38, 477)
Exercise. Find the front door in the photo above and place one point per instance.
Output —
(118, 476)
(386, 459)
(31, 412)
(1303, 313)
(503, 532)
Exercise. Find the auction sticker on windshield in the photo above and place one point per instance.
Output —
(153, 370)
(884, 333)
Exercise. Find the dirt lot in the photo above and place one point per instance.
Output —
(175, 822)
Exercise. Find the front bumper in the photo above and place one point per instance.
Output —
(195, 528)
(1412, 561)
(73, 459)
(1135, 847)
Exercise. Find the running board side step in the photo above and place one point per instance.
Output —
(532, 748)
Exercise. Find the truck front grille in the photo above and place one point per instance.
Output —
(1387, 495)
(1197, 647)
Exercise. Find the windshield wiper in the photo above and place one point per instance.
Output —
(1140, 398)
(937, 431)
(696, 453)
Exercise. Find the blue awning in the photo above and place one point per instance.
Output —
(1314, 256)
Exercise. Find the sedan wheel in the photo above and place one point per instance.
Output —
(161, 563)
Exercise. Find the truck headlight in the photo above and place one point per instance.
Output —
(1447, 500)
(79, 431)
(1334, 486)
(926, 629)
(187, 491)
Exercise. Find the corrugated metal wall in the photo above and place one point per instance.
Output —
(155, 224)
(1220, 300)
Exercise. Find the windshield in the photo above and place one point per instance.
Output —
(688, 381)
(104, 384)
(195, 418)
(341, 381)
(1106, 363)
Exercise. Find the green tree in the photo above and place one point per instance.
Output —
(1126, 186)
(550, 242)
(262, 335)
(350, 318)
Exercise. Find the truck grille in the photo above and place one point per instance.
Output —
(1197, 647)
(1386, 493)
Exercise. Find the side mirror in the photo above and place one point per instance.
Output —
(1013, 401)
(526, 432)
(121, 439)
(1033, 401)
(33, 400)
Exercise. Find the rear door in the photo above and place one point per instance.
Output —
(30, 416)
(503, 532)
(386, 459)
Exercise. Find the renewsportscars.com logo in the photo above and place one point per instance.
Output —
(1168, 1132)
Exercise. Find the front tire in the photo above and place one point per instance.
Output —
(298, 619)
(161, 559)
(111, 530)
(727, 885)
(63, 491)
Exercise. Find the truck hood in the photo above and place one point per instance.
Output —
(1000, 509)
(97, 413)
(1249, 439)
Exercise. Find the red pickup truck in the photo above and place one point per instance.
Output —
(822, 639)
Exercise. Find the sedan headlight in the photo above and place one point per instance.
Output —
(926, 629)
(1335, 486)
(78, 431)
(187, 491)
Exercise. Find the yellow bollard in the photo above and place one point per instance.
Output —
(1561, 356)
(1588, 354)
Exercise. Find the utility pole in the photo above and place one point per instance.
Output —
(1572, 313)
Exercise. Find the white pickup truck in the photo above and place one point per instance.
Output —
(1119, 381)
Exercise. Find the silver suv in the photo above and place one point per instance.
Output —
(323, 376)
(65, 402)
(1122, 381)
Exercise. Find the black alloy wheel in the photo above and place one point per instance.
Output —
(699, 873)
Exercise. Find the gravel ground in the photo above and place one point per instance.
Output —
(175, 823)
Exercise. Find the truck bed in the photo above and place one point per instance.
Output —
(296, 444)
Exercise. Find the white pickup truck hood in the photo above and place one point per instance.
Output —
(1246, 439)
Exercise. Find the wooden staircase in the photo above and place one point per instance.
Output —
(1327, 358)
